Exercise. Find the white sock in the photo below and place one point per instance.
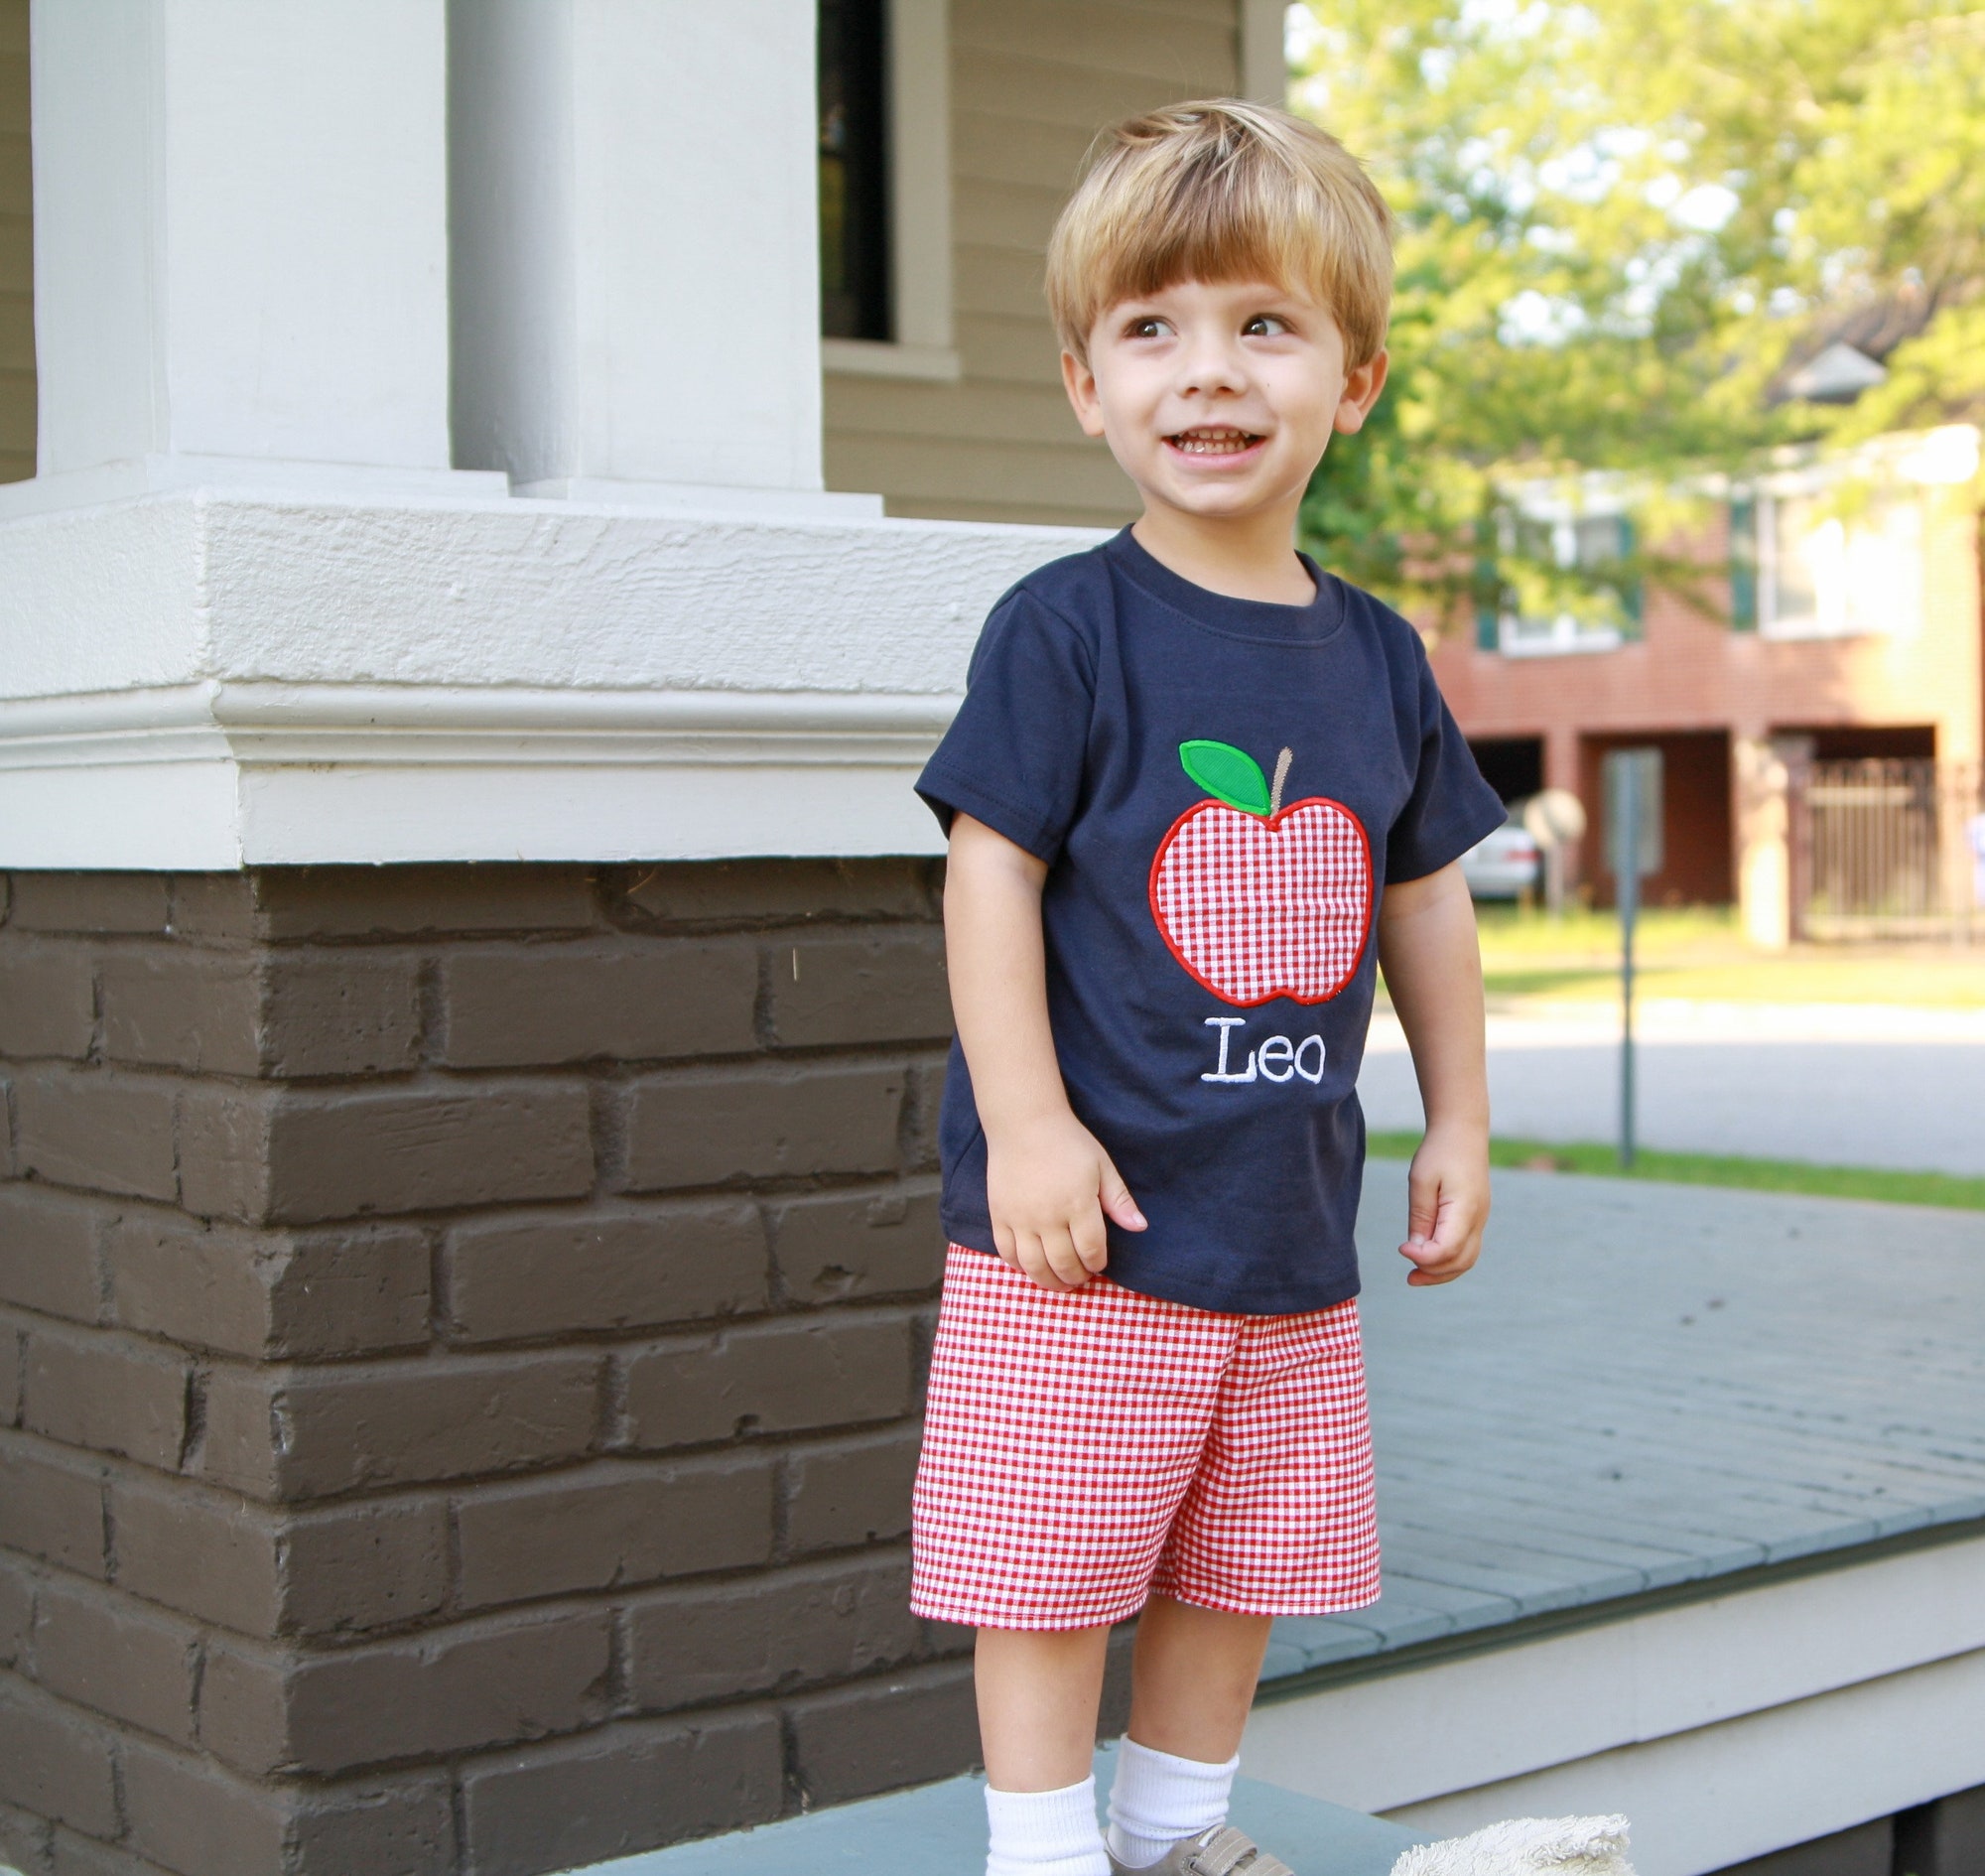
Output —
(1158, 1799)
(1045, 1833)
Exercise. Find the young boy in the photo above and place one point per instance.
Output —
(1193, 777)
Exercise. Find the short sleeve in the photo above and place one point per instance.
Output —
(1014, 754)
(1450, 807)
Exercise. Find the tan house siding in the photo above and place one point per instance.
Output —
(1032, 80)
(17, 251)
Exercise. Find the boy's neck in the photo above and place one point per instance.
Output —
(1241, 557)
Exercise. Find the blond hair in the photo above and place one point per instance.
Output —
(1221, 189)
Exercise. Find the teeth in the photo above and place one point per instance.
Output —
(1213, 442)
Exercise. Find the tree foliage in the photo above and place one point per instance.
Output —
(1618, 221)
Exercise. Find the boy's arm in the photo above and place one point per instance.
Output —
(1048, 1182)
(1433, 969)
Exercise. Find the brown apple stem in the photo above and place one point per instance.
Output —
(1282, 763)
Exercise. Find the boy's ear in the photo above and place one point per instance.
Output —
(1361, 392)
(1079, 383)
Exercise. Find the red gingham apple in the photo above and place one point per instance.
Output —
(1257, 900)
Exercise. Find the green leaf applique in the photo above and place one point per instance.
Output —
(1228, 774)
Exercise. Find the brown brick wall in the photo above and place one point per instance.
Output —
(460, 1336)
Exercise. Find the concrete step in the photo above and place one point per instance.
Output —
(940, 1830)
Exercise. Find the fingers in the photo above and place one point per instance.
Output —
(1445, 1216)
(1092, 1241)
(1049, 1259)
(1116, 1198)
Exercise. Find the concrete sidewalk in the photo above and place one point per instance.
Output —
(1838, 1084)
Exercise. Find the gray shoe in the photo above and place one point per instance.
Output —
(1221, 1851)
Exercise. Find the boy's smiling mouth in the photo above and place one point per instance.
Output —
(1213, 440)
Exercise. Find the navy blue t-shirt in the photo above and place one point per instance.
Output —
(1208, 905)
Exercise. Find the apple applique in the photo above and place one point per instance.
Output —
(1257, 900)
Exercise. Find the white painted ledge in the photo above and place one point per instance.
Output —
(209, 678)
(1724, 1729)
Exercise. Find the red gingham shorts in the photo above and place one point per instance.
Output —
(1086, 1449)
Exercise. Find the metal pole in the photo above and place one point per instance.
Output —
(1627, 877)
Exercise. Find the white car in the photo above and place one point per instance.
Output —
(1504, 865)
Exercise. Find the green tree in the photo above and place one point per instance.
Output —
(1618, 220)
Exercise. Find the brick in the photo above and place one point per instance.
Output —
(340, 1014)
(98, 1130)
(678, 1264)
(51, 1506)
(759, 892)
(711, 1127)
(405, 1828)
(213, 905)
(52, 1763)
(628, 1788)
(108, 1392)
(612, 1524)
(415, 901)
(883, 1733)
(99, 1651)
(835, 1247)
(25, 1841)
(200, 1552)
(403, 1422)
(17, 1610)
(511, 1009)
(182, 1009)
(292, 1158)
(91, 901)
(73, 1855)
(48, 1002)
(417, 1698)
(339, 1571)
(47, 1253)
(854, 1491)
(770, 1632)
(347, 1291)
(781, 1378)
(363, 1566)
(1943, 1838)
(191, 1815)
(878, 987)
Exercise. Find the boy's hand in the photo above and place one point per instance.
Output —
(1447, 1205)
(1049, 1187)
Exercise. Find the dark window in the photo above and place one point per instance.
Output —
(1511, 766)
(854, 171)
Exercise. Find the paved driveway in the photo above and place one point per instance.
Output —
(1847, 1084)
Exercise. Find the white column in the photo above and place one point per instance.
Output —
(635, 248)
(240, 242)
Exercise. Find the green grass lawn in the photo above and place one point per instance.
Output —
(1757, 1175)
(1698, 953)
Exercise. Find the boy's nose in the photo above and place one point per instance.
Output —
(1211, 367)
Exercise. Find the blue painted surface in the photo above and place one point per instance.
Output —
(1647, 1384)
(940, 1830)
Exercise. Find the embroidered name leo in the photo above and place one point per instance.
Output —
(1275, 1059)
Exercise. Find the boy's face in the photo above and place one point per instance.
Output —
(1217, 397)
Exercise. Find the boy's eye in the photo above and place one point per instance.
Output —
(1264, 325)
(1151, 327)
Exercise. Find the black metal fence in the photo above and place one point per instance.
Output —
(1887, 849)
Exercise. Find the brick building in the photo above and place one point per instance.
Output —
(1847, 628)
(472, 1002)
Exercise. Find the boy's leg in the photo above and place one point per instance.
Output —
(1039, 1690)
(1192, 1681)
(1038, 1695)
